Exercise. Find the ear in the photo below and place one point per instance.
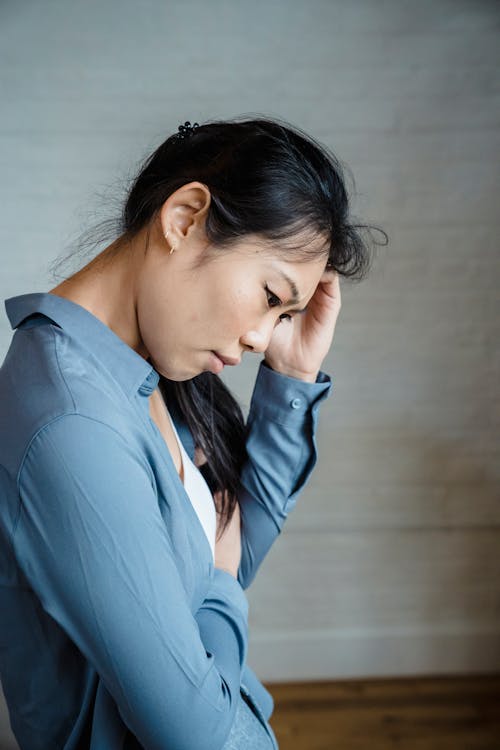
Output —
(184, 212)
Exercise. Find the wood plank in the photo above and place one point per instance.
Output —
(431, 713)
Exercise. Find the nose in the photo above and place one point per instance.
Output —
(257, 340)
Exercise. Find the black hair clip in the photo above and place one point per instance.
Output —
(186, 130)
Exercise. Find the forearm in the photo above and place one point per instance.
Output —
(282, 452)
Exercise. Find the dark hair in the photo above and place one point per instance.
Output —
(265, 178)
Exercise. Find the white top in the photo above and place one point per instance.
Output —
(199, 493)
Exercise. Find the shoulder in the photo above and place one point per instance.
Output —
(49, 388)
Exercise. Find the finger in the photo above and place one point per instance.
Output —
(330, 282)
(330, 276)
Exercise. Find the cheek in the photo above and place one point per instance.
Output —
(194, 317)
(243, 304)
(237, 316)
(226, 310)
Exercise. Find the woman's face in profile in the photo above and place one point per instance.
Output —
(229, 305)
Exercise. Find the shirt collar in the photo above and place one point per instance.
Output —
(132, 371)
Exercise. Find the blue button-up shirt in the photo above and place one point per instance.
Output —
(116, 629)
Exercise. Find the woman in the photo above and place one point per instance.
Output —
(137, 505)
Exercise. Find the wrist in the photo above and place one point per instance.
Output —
(308, 377)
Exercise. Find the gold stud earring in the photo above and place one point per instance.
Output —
(172, 248)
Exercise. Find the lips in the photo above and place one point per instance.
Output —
(228, 360)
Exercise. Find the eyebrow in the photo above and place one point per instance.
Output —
(294, 299)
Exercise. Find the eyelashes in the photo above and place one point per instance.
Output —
(277, 301)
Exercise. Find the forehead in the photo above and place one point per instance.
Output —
(309, 251)
(300, 279)
(296, 264)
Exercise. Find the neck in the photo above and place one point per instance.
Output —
(106, 288)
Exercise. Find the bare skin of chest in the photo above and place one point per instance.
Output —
(159, 414)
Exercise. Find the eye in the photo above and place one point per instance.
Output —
(276, 301)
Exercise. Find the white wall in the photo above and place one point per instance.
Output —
(389, 564)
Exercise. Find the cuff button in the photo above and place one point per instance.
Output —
(296, 403)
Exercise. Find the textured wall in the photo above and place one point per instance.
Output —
(389, 564)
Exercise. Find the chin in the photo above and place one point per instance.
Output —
(180, 376)
(177, 374)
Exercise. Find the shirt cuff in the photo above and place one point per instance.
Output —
(284, 399)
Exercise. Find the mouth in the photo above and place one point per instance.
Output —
(227, 360)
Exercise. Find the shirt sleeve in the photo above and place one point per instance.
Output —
(282, 452)
(93, 544)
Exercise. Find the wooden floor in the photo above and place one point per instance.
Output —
(459, 713)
